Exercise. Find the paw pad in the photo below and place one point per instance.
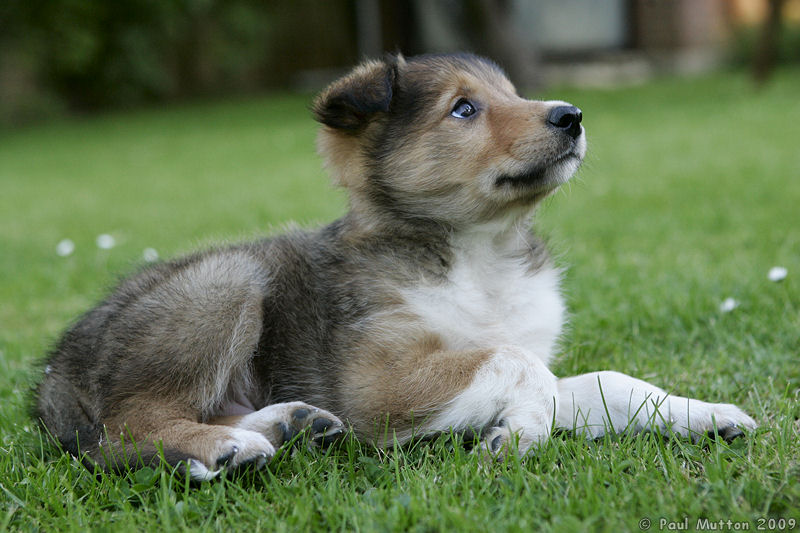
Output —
(321, 424)
(728, 433)
(300, 414)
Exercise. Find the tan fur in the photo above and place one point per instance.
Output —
(231, 420)
(405, 384)
(147, 421)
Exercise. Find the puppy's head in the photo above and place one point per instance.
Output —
(445, 138)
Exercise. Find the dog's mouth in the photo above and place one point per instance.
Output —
(544, 177)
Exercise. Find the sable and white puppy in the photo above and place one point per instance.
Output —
(428, 306)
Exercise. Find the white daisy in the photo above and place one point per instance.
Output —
(65, 247)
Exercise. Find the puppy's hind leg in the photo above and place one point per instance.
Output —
(591, 404)
(207, 448)
(189, 342)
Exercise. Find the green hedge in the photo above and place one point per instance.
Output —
(88, 54)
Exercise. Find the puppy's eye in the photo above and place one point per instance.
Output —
(463, 109)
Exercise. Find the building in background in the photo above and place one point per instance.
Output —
(597, 41)
(66, 56)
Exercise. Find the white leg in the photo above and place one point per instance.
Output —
(591, 403)
(515, 391)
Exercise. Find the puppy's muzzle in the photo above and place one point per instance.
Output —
(567, 118)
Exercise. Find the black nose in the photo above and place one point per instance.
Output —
(566, 118)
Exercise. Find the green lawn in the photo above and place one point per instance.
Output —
(689, 195)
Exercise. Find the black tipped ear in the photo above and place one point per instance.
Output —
(352, 101)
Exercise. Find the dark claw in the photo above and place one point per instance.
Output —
(321, 424)
(301, 413)
(496, 442)
(225, 459)
(329, 437)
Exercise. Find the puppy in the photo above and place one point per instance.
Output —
(428, 306)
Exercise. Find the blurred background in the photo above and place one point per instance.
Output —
(74, 56)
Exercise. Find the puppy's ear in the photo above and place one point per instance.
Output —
(352, 101)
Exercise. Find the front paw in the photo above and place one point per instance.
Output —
(495, 444)
(722, 419)
(510, 438)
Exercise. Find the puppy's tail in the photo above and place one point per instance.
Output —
(65, 416)
(68, 419)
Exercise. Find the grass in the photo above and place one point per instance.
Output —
(691, 192)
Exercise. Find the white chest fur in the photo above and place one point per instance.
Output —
(491, 299)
